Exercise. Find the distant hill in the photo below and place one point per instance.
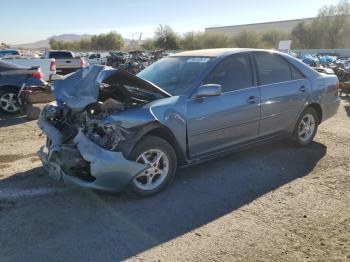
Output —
(45, 43)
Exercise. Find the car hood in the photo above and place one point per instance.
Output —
(79, 89)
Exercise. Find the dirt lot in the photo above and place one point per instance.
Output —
(274, 202)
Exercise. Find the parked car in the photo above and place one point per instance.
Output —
(7, 52)
(47, 66)
(96, 59)
(66, 61)
(112, 130)
(13, 81)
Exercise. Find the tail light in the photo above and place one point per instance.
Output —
(53, 65)
(338, 84)
(37, 74)
(82, 62)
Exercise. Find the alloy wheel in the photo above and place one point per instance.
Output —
(306, 127)
(9, 102)
(156, 172)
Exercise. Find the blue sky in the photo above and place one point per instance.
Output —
(23, 21)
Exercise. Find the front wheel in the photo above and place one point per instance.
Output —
(9, 101)
(306, 127)
(160, 159)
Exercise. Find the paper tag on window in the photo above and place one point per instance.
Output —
(198, 60)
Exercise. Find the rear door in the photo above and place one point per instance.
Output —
(217, 123)
(284, 92)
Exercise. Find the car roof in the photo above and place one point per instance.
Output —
(216, 52)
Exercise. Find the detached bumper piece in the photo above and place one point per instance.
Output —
(86, 164)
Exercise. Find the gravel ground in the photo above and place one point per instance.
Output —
(274, 202)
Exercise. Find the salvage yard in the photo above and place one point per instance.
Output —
(274, 202)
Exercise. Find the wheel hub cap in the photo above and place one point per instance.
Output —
(8, 102)
(306, 128)
(155, 173)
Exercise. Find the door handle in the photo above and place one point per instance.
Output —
(252, 100)
(302, 89)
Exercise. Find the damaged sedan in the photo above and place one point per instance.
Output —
(110, 130)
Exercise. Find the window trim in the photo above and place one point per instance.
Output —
(252, 69)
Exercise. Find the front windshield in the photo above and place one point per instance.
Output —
(173, 74)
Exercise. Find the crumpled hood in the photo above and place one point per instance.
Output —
(79, 89)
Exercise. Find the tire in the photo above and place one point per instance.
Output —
(8, 102)
(160, 174)
(306, 127)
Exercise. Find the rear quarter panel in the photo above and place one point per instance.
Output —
(44, 64)
(325, 93)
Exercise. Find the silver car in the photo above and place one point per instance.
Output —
(114, 131)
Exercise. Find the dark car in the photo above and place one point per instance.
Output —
(112, 130)
(9, 52)
(14, 79)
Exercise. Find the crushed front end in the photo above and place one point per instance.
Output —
(81, 156)
(84, 146)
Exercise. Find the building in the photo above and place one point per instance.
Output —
(286, 26)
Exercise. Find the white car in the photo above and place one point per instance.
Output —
(96, 59)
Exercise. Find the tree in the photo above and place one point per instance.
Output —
(166, 38)
(334, 21)
(272, 38)
(191, 40)
(247, 38)
(215, 40)
(148, 44)
(102, 42)
(199, 40)
(330, 29)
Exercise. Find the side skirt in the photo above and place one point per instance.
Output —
(236, 148)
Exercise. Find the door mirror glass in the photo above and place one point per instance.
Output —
(207, 90)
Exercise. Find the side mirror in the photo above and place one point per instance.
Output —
(207, 90)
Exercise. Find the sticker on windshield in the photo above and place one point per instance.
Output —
(198, 60)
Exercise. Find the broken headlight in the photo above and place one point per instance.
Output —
(107, 135)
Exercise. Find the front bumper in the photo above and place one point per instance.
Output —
(110, 170)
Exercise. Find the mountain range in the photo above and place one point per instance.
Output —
(45, 43)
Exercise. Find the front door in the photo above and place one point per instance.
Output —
(217, 123)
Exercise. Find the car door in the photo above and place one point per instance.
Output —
(217, 123)
(284, 92)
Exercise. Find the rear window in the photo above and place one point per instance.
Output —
(60, 55)
(296, 74)
(272, 69)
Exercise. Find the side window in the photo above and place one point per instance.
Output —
(233, 73)
(296, 74)
(272, 69)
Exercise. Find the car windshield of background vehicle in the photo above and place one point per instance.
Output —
(173, 74)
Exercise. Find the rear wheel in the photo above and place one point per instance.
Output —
(9, 101)
(306, 127)
(160, 159)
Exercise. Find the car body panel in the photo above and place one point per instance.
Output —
(281, 104)
(112, 171)
(215, 123)
(16, 76)
(82, 88)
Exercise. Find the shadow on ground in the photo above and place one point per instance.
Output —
(347, 106)
(12, 119)
(80, 225)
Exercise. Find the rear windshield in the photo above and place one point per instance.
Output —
(60, 55)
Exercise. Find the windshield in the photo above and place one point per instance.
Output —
(173, 74)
